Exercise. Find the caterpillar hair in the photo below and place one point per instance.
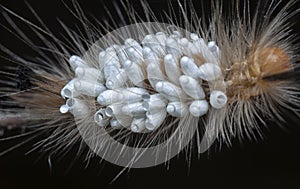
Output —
(139, 87)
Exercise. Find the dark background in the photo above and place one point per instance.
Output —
(272, 162)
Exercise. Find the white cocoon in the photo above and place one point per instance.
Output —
(88, 88)
(217, 99)
(177, 109)
(172, 69)
(198, 108)
(109, 97)
(191, 87)
(189, 67)
(76, 61)
(209, 72)
(155, 120)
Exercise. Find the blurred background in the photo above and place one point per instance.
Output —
(270, 162)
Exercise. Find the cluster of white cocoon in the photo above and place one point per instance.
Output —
(119, 86)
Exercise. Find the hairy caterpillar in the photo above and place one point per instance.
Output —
(248, 76)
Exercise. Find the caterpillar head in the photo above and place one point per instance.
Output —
(248, 77)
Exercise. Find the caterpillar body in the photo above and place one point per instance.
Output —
(141, 93)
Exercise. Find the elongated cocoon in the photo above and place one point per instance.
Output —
(135, 55)
(212, 46)
(200, 45)
(153, 121)
(77, 107)
(89, 74)
(134, 73)
(155, 103)
(209, 72)
(152, 42)
(138, 125)
(217, 99)
(134, 50)
(198, 108)
(188, 48)
(69, 90)
(189, 67)
(111, 70)
(121, 53)
(170, 91)
(101, 59)
(191, 87)
(177, 109)
(111, 57)
(100, 118)
(150, 56)
(133, 43)
(132, 94)
(172, 47)
(76, 61)
(134, 109)
(109, 97)
(113, 109)
(154, 74)
(88, 88)
(118, 81)
(172, 70)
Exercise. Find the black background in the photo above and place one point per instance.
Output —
(270, 163)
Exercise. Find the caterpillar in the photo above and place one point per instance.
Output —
(138, 93)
